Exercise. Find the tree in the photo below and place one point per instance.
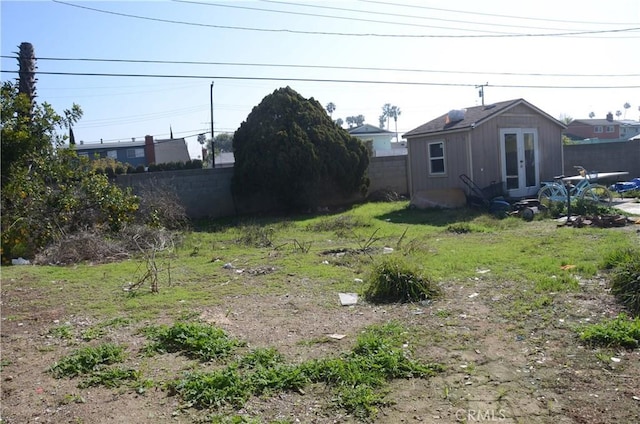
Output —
(224, 142)
(626, 106)
(355, 121)
(289, 149)
(29, 129)
(566, 119)
(395, 112)
(618, 114)
(27, 75)
(386, 114)
(339, 122)
(49, 193)
(331, 107)
(592, 115)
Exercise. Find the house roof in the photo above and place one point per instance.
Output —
(471, 117)
(593, 122)
(368, 130)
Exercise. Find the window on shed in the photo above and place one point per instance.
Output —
(436, 158)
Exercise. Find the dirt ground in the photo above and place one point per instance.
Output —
(529, 370)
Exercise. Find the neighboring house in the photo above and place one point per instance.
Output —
(380, 138)
(138, 152)
(629, 130)
(511, 142)
(601, 129)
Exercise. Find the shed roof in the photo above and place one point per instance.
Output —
(472, 117)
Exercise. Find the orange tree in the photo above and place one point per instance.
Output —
(49, 192)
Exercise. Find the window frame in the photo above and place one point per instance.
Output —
(442, 158)
(597, 129)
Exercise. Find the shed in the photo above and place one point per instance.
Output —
(512, 143)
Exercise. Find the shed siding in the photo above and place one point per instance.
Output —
(455, 146)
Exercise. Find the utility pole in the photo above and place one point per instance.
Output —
(481, 92)
(213, 152)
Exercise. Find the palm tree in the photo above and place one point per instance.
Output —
(626, 106)
(591, 115)
(27, 73)
(331, 107)
(618, 113)
(395, 112)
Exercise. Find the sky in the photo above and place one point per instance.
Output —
(141, 68)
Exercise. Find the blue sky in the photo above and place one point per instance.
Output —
(426, 57)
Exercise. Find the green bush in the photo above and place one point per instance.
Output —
(394, 280)
(88, 360)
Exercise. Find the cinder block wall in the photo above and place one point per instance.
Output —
(203, 192)
(604, 157)
(207, 192)
(389, 173)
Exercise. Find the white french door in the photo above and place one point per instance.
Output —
(519, 150)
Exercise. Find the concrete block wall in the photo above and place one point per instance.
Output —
(389, 173)
(207, 192)
(604, 157)
(203, 192)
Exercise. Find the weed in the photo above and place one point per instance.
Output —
(254, 235)
(72, 398)
(92, 333)
(394, 280)
(301, 246)
(87, 360)
(197, 340)
(620, 256)
(340, 224)
(110, 378)
(359, 377)
(620, 331)
(64, 331)
(625, 284)
(466, 227)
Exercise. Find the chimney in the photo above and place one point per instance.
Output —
(149, 150)
(610, 117)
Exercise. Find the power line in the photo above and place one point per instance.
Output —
(290, 31)
(315, 15)
(400, 15)
(493, 14)
(416, 83)
(351, 68)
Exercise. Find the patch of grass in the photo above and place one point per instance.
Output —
(196, 340)
(88, 360)
(395, 280)
(620, 331)
(556, 283)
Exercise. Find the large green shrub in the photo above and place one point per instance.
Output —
(289, 150)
